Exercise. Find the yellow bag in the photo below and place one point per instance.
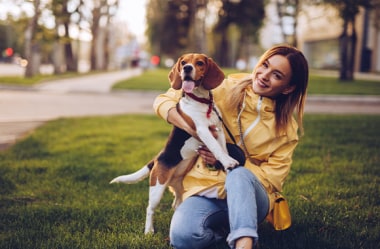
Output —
(280, 217)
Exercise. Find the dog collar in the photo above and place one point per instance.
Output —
(209, 102)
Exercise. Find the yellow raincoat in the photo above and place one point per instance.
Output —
(270, 156)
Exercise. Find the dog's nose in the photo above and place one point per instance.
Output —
(187, 68)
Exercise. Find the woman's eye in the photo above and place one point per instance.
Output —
(265, 64)
(277, 76)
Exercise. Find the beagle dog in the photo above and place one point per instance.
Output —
(196, 75)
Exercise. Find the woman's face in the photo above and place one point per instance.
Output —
(272, 77)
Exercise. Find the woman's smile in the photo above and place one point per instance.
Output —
(272, 77)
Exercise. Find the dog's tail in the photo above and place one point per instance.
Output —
(138, 176)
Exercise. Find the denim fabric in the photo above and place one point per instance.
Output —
(248, 204)
(201, 222)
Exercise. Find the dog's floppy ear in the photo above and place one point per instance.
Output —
(214, 76)
(175, 75)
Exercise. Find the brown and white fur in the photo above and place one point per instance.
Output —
(195, 74)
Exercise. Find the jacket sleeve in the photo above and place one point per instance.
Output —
(164, 102)
(275, 170)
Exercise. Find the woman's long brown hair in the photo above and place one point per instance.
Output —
(286, 104)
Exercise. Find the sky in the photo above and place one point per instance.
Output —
(133, 13)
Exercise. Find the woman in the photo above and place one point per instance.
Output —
(258, 110)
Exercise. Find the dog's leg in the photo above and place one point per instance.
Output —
(215, 147)
(188, 150)
(159, 179)
(176, 188)
(155, 194)
(175, 184)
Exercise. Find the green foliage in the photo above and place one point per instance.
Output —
(176, 14)
(54, 190)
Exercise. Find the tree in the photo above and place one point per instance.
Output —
(31, 44)
(176, 27)
(288, 10)
(348, 10)
(183, 24)
(198, 27)
(244, 15)
(102, 11)
(155, 28)
(62, 16)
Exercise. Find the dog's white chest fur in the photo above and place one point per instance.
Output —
(198, 112)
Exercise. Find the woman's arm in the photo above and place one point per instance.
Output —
(176, 119)
(165, 105)
(277, 167)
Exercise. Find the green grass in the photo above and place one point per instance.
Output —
(54, 190)
(331, 85)
(22, 81)
(158, 80)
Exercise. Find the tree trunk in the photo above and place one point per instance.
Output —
(199, 30)
(343, 44)
(71, 62)
(224, 49)
(351, 60)
(347, 51)
(31, 46)
(295, 24)
(57, 57)
(94, 41)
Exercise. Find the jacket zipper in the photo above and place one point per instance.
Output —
(255, 122)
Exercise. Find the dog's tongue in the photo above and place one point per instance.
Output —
(188, 86)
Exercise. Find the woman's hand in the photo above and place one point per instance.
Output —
(207, 156)
(176, 119)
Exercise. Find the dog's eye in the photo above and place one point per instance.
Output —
(183, 63)
(200, 63)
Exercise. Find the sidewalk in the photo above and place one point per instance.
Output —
(24, 109)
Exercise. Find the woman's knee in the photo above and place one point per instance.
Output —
(238, 175)
(190, 226)
(190, 240)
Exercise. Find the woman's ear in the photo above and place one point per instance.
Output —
(175, 75)
(288, 90)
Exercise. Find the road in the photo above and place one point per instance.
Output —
(24, 109)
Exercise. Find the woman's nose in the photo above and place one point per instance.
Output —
(265, 74)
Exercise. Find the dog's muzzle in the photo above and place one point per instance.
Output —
(188, 72)
(188, 69)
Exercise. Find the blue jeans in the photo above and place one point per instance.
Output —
(201, 222)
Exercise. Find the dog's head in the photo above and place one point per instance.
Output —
(192, 70)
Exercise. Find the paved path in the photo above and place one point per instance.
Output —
(24, 109)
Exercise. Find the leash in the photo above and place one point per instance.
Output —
(225, 126)
(209, 102)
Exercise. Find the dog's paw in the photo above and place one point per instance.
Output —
(229, 163)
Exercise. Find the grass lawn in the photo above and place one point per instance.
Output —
(158, 80)
(22, 81)
(54, 190)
